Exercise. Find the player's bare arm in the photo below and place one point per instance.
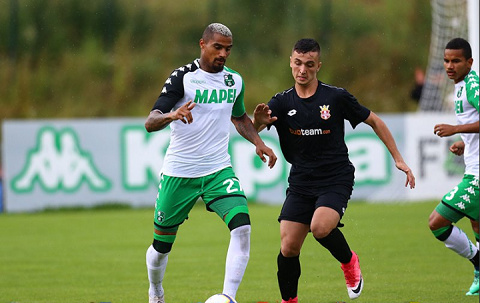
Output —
(245, 127)
(262, 117)
(382, 131)
(157, 120)
(447, 130)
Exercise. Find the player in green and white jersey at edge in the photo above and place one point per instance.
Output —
(199, 100)
(463, 200)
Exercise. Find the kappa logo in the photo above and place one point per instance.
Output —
(474, 182)
(58, 163)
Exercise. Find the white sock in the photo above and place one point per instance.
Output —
(237, 259)
(156, 265)
(461, 244)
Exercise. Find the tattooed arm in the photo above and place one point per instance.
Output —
(244, 127)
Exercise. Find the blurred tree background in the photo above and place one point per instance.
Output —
(110, 58)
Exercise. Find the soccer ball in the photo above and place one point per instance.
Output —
(220, 298)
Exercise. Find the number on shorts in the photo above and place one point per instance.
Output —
(452, 193)
(231, 182)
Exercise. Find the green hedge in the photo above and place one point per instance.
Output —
(70, 58)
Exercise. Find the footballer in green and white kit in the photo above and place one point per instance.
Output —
(199, 151)
(199, 101)
(463, 200)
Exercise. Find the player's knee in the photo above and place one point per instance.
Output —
(290, 246)
(475, 226)
(289, 251)
(443, 233)
(431, 222)
(162, 247)
(321, 232)
(440, 227)
(437, 221)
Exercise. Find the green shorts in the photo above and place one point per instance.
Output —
(221, 192)
(462, 201)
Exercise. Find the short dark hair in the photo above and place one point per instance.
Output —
(306, 45)
(216, 28)
(460, 43)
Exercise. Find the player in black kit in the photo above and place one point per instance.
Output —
(309, 118)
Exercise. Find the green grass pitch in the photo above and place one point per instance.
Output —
(99, 256)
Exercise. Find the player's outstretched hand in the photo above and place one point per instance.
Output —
(262, 150)
(262, 113)
(410, 177)
(183, 113)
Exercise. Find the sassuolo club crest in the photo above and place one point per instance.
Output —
(229, 80)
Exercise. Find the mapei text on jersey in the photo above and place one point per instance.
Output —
(215, 96)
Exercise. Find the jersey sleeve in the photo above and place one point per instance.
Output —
(172, 91)
(472, 91)
(239, 105)
(354, 112)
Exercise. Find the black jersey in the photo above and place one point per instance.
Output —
(312, 134)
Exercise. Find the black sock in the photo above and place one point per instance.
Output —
(475, 261)
(337, 245)
(288, 274)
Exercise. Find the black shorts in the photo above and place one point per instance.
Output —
(300, 207)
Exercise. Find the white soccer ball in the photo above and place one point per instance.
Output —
(220, 298)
